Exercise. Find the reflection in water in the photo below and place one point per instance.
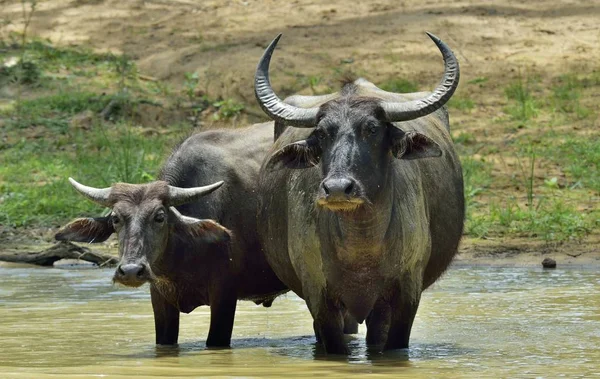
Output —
(493, 322)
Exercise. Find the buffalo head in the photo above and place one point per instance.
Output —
(355, 134)
(144, 218)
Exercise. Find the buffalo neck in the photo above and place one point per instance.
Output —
(359, 236)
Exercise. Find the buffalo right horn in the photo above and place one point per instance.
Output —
(97, 195)
(179, 196)
(271, 104)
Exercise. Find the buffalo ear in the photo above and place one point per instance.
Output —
(413, 145)
(206, 230)
(297, 155)
(91, 230)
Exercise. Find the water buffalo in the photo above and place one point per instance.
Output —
(167, 235)
(361, 202)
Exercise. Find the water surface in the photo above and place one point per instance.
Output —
(475, 322)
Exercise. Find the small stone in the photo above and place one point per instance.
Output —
(549, 263)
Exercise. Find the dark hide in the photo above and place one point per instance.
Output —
(359, 215)
(187, 256)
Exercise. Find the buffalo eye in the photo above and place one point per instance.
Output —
(159, 218)
(115, 220)
(373, 129)
(320, 134)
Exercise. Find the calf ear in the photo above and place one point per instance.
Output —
(301, 154)
(413, 145)
(86, 230)
(208, 231)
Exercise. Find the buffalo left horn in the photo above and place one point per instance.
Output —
(395, 111)
(179, 196)
(97, 195)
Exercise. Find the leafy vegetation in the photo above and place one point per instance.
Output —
(511, 197)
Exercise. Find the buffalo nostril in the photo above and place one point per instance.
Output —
(349, 188)
(338, 188)
(131, 270)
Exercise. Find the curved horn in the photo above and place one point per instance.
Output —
(271, 104)
(422, 107)
(178, 195)
(97, 195)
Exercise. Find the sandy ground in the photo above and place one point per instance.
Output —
(382, 38)
(379, 39)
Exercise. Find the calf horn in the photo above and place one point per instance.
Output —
(179, 196)
(394, 111)
(97, 195)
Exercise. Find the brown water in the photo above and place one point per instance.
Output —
(476, 322)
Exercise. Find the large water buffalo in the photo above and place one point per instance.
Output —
(167, 235)
(361, 201)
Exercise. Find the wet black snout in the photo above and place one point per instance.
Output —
(338, 189)
(131, 274)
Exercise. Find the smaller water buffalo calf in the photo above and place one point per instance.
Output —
(170, 231)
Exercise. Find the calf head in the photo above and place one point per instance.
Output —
(143, 217)
(354, 138)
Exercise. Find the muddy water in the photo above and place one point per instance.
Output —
(476, 322)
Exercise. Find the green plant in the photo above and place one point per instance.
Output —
(461, 103)
(227, 108)
(476, 178)
(523, 105)
(399, 86)
(313, 82)
(527, 175)
(566, 94)
(465, 138)
(478, 80)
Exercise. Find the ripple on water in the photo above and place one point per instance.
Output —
(494, 322)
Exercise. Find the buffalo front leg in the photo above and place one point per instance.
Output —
(166, 319)
(350, 324)
(378, 325)
(222, 313)
(329, 327)
(404, 309)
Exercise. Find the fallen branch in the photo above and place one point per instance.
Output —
(61, 250)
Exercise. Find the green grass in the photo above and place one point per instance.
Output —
(580, 158)
(399, 86)
(566, 94)
(523, 106)
(34, 185)
(463, 104)
(42, 146)
(553, 221)
(560, 207)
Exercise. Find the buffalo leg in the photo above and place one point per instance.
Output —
(378, 324)
(222, 314)
(329, 328)
(166, 319)
(350, 324)
(317, 335)
(404, 310)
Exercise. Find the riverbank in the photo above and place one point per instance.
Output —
(515, 252)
